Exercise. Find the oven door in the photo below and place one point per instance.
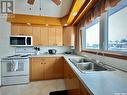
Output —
(15, 67)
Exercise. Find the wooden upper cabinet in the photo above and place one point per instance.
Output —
(44, 36)
(59, 36)
(16, 29)
(26, 30)
(21, 29)
(52, 36)
(69, 34)
(36, 35)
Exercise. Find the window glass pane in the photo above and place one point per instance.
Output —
(117, 35)
(90, 36)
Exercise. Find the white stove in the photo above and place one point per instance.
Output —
(15, 69)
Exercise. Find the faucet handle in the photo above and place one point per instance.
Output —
(93, 60)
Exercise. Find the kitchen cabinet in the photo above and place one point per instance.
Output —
(59, 36)
(36, 35)
(26, 30)
(16, 29)
(83, 90)
(52, 36)
(72, 83)
(36, 69)
(55, 36)
(48, 68)
(44, 36)
(71, 80)
(69, 36)
(21, 29)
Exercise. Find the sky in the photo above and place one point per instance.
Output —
(118, 25)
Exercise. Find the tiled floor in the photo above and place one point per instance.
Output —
(34, 88)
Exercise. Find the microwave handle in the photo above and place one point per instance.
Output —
(26, 41)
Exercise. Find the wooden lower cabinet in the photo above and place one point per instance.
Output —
(42, 68)
(83, 90)
(72, 83)
(36, 69)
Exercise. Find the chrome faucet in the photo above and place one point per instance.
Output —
(101, 62)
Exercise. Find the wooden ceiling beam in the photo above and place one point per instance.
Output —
(84, 10)
(75, 9)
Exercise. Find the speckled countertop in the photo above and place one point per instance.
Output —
(98, 83)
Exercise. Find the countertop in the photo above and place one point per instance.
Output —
(98, 83)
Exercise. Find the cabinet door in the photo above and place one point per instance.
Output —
(44, 36)
(59, 36)
(36, 69)
(36, 35)
(52, 38)
(83, 90)
(69, 36)
(26, 30)
(71, 81)
(58, 68)
(66, 75)
(15, 29)
(49, 68)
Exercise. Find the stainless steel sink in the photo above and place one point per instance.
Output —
(85, 65)
(79, 60)
(89, 66)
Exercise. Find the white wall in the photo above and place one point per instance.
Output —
(48, 8)
(5, 49)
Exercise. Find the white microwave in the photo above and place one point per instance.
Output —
(20, 40)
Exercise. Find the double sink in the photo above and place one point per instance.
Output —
(85, 65)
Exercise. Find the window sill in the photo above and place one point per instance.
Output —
(107, 54)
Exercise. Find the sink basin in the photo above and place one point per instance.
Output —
(79, 60)
(85, 65)
(89, 66)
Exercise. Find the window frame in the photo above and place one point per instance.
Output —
(104, 33)
(84, 30)
(111, 12)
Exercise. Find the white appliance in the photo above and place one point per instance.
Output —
(0, 72)
(15, 69)
(16, 40)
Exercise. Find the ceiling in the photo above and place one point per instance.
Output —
(48, 8)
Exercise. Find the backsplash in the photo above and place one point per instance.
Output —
(43, 49)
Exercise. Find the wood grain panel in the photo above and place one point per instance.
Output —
(41, 20)
(36, 71)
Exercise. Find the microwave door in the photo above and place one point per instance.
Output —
(17, 40)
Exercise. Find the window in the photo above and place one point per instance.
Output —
(117, 28)
(90, 38)
(109, 31)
